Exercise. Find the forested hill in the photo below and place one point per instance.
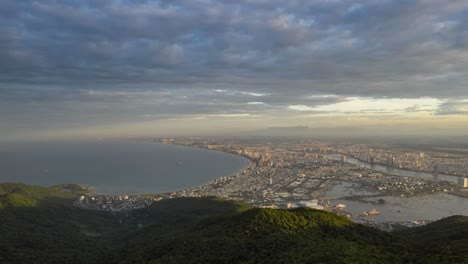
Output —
(39, 225)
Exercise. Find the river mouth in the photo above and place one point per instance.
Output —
(397, 171)
(396, 208)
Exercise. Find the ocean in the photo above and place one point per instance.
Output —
(115, 166)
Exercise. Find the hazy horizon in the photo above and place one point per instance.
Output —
(94, 69)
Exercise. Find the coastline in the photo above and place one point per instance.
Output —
(251, 189)
(185, 169)
(459, 193)
(247, 164)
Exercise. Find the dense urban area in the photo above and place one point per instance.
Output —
(313, 174)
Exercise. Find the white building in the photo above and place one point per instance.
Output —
(463, 182)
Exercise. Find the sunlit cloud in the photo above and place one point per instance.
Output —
(395, 105)
(300, 108)
(254, 94)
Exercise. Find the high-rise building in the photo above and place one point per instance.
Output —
(260, 161)
(463, 182)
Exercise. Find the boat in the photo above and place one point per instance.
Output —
(373, 212)
(340, 206)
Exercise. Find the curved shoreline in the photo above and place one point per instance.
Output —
(117, 166)
(247, 165)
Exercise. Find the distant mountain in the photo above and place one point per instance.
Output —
(305, 132)
(365, 134)
(293, 128)
(39, 225)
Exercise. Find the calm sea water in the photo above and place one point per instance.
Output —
(424, 207)
(115, 166)
(421, 207)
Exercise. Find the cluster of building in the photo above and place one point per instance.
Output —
(288, 175)
(115, 203)
(432, 161)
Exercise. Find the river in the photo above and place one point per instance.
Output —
(421, 207)
(397, 171)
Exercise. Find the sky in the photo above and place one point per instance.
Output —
(95, 68)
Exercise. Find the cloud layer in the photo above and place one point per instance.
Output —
(125, 59)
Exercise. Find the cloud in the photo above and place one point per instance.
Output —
(254, 94)
(300, 108)
(66, 63)
(375, 106)
(454, 107)
(384, 48)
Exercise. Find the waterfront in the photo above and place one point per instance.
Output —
(430, 206)
(396, 171)
(115, 166)
(297, 174)
(281, 176)
(399, 209)
(275, 175)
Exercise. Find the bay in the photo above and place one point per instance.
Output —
(115, 166)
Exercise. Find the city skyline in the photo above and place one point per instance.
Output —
(156, 68)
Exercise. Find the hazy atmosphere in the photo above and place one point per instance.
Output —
(149, 68)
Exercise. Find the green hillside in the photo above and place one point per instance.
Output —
(16, 195)
(269, 236)
(444, 241)
(39, 225)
